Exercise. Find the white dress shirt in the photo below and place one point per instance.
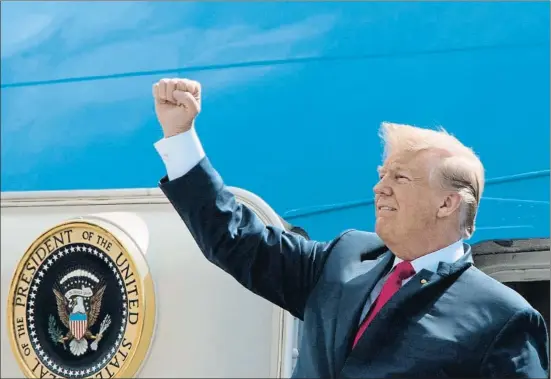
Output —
(180, 153)
(449, 254)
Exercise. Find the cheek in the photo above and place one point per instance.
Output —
(408, 199)
(415, 204)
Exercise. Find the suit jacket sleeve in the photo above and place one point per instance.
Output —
(520, 350)
(281, 267)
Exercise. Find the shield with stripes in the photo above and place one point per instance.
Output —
(78, 323)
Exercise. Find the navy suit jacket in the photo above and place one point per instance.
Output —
(457, 322)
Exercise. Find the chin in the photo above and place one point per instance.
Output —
(385, 232)
(381, 230)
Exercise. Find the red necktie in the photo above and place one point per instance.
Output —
(403, 270)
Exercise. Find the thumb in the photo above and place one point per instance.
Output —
(187, 100)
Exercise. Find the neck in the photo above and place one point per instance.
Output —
(421, 245)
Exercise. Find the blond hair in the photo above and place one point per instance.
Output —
(460, 170)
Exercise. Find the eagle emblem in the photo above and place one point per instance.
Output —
(78, 297)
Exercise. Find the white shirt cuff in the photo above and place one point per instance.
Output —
(180, 153)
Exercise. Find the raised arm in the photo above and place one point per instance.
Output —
(280, 266)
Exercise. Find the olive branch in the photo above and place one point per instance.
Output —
(55, 333)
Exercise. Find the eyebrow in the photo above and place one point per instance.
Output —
(392, 168)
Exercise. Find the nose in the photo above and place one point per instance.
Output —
(381, 188)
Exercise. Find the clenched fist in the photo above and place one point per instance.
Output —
(177, 103)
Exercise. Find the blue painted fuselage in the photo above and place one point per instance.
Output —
(293, 97)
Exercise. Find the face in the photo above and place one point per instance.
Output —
(406, 201)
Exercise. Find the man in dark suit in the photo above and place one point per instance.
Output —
(404, 302)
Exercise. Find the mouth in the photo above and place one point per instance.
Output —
(385, 208)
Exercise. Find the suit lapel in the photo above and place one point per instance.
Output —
(353, 299)
(412, 298)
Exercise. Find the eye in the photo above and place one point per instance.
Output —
(401, 177)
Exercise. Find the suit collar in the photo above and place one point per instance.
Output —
(449, 254)
(354, 296)
(450, 268)
(411, 299)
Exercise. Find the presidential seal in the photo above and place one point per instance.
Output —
(81, 304)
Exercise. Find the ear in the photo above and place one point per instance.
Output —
(449, 205)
